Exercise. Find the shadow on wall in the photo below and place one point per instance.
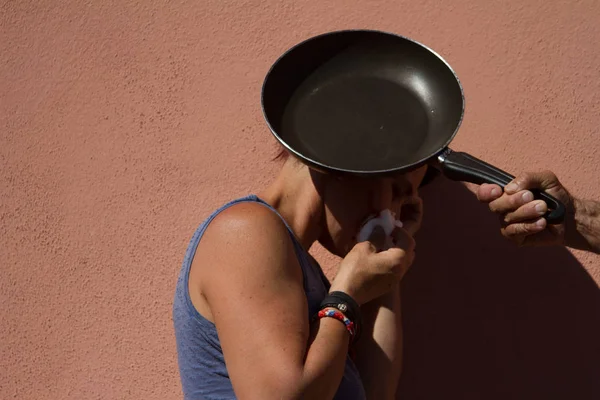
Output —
(484, 319)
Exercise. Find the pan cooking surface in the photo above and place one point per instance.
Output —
(363, 102)
(357, 122)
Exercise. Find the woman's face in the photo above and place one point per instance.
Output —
(350, 201)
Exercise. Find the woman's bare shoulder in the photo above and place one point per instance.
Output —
(246, 218)
(245, 239)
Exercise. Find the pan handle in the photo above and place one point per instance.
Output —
(464, 167)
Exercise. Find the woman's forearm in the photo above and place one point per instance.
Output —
(379, 351)
(325, 360)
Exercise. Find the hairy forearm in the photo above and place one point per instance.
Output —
(585, 234)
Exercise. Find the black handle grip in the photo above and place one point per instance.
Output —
(466, 168)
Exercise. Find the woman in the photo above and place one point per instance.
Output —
(250, 317)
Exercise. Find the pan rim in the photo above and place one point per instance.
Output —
(345, 171)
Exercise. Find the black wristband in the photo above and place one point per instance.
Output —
(347, 305)
(353, 309)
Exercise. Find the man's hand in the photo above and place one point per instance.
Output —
(522, 216)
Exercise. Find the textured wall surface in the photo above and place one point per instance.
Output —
(124, 123)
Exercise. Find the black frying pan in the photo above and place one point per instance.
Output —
(371, 103)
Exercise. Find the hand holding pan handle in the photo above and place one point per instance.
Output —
(466, 168)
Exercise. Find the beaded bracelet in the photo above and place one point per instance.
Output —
(333, 313)
(347, 306)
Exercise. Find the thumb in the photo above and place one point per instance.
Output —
(543, 180)
(471, 187)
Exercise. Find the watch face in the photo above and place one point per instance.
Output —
(342, 307)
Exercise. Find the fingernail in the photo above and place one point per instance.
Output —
(511, 188)
(495, 192)
(527, 197)
(540, 223)
(540, 208)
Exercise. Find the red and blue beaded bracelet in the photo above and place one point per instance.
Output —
(337, 314)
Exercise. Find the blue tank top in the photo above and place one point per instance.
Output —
(200, 357)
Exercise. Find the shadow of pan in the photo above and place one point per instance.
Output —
(484, 319)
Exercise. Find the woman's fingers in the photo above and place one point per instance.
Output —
(378, 238)
(404, 242)
(403, 239)
(411, 214)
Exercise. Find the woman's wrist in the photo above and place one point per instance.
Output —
(345, 288)
(345, 304)
(332, 312)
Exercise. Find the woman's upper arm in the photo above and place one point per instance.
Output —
(253, 285)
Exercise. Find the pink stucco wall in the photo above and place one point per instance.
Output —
(123, 123)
